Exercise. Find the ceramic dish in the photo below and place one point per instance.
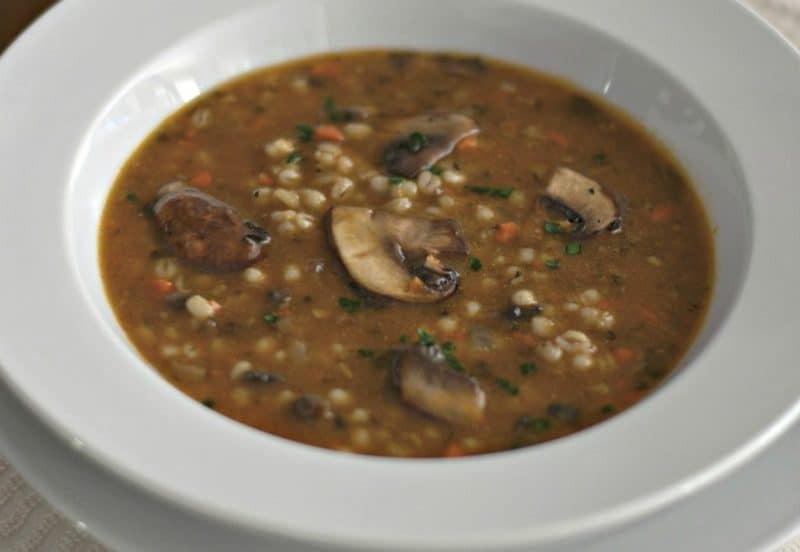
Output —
(86, 84)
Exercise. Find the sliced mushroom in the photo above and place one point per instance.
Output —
(429, 384)
(585, 203)
(422, 140)
(395, 255)
(207, 232)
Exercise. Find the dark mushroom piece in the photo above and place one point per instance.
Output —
(429, 384)
(206, 232)
(422, 140)
(585, 202)
(397, 256)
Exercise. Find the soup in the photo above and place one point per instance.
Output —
(407, 254)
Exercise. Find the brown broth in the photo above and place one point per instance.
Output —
(654, 277)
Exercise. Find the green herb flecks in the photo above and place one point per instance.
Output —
(349, 305)
(573, 248)
(528, 368)
(552, 264)
(332, 111)
(599, 157)
(425, 337)
(271, 318)
(366, 353)
(437, 170)
(475, 263)
(508, 386)
(552, 227)
(294, 157)
(503, 193)
(305, 133)
(608, 409)
(449, 351)
(416, 141)
(209, 403)
(534, 424)
(132, 197)
(394, 180)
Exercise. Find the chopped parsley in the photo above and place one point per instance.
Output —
(573, 248)
(552, 264)
(507, 386)
(403, 339)
(534, 424)
(425, 338)
(394, 180)
(503, 193)
(552, 227)
(528, 368)
(349, 305)
(132, 197)
(294, 157)
(416, 141)
(599, 157)
(332, 111)
(437, 170)
(271, 318)
(475, 263)
(305, 133)
(608, 409)
(209, 403)
(449, 349)
(366, 353)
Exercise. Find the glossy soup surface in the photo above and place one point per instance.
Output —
(548, 329)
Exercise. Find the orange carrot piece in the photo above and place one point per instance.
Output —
(453, 450)
(647, 315)
(624, 355)
(329, 132)
(507, 231)
(559, 138)
(662, 213)
(163, 287)
(202, 178)
(327, 69)
(603, 304)
(468, 143)
(190, 132)
(264, 179)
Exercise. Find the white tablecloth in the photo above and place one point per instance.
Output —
(28, 523)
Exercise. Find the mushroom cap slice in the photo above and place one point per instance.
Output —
(583, 201)
(395, 255)
(426, 382)
(441, 131)
(207, 232)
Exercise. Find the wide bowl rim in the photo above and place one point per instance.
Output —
(27, 46)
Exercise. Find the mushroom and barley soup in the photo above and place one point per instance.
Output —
(407, 254)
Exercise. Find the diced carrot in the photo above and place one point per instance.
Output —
(216, 307)
(662, 213)
(202, 178)
(624, 355)
(327, 69)
(648, 315)
(453, 450)
(507, 231)
(190, 132)
(163, 287)
(264, 179)
(468, 143)
(603, 304)
(329, 132)
(559, 138)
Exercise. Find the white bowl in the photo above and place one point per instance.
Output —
(86, 84)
